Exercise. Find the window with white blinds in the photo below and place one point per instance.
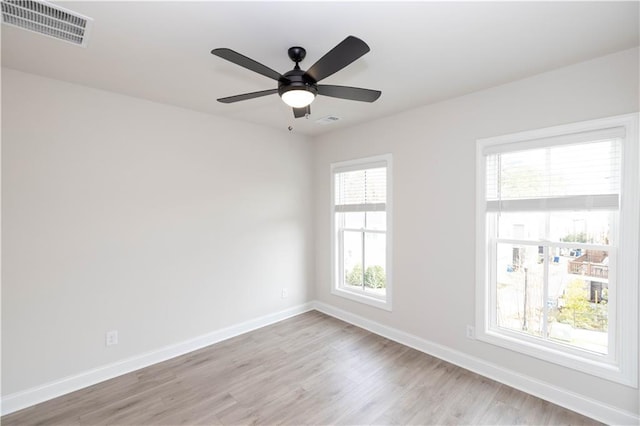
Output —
(586, 175)
(557, 244)
(361, 230)
(361, 190)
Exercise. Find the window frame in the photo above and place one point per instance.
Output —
(337, 288)
(620, 364)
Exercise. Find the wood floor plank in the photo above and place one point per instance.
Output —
(310, 369)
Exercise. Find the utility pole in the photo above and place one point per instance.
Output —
(524, 317)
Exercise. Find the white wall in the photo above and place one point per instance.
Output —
(433, 151)
(159, 222)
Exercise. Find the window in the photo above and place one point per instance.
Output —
(558, 245)
(361, 215)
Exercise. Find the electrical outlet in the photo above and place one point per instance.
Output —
(285, 293)
(111, 338)
(471, 332)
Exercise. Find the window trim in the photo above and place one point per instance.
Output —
(359, 164)
(624, 368)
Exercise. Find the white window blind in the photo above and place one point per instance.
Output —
(361, 190)
(576, 176)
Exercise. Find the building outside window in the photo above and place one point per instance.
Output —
(557, 245)
(361, 216)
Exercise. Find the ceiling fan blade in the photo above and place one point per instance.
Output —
(351, 93)
(248, 63)
(245, 96)
(301, 112)
(349, 49)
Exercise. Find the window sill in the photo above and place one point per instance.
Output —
(600, 368)
(363, 298)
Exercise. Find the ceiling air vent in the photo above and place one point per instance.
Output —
(48, 19)
(327, 120)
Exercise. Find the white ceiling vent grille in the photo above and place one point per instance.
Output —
(327, 120)
(48, 19)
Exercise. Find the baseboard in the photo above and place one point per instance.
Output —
(27, 398)
(572, 401)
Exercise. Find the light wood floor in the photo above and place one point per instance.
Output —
(310, 369)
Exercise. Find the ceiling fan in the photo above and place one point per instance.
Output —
(298, 88)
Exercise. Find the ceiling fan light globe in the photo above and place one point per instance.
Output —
(298, 98)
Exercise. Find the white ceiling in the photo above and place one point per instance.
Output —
(421, 52)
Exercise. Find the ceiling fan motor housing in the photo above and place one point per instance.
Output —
(296, 80)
